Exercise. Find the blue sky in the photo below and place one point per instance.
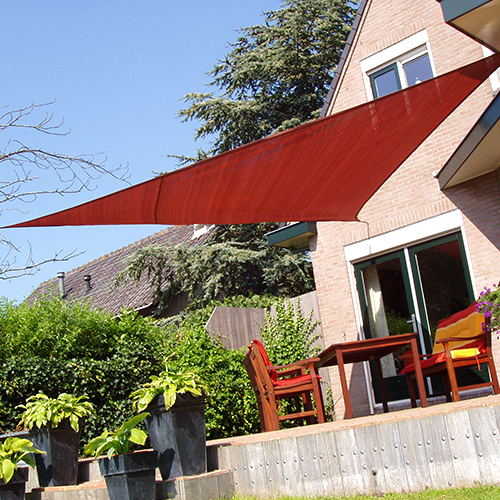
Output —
(117, 71)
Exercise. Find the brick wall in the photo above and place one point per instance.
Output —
(387, 22)
(412, 193)
(479, 202)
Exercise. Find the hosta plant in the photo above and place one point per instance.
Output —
(119, 442)
(166, 383)
(12, 451)
(42, 411)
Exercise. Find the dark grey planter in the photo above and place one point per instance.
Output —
(15, 489)
(178, 435)
(59, 467)
(130, 476)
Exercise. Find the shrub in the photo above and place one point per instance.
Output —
(289, 336)
(108, 358)
(55, 346)
(231, 405)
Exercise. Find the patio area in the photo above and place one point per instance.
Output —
(442, 446)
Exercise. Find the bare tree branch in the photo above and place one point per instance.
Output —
(12, 118)
(9, 270)
(20, 182)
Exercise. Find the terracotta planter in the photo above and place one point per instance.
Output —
(179, 436)
(16, 487)
(130, 476)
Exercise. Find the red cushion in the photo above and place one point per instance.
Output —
(273, 374)
(293, 380)
(267, 361)
(457, 316)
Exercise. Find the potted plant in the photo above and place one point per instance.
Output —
(128, 476)
(176, 425)
(13, 478)
(59, 422)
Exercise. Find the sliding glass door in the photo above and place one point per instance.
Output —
(411, 290)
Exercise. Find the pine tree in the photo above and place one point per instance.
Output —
(276, 75)
(236, 261)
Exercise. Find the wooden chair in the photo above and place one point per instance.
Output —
(462, 340)
(272, 384)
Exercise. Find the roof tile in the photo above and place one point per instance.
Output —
(104, 270)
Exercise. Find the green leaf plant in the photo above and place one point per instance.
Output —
(42, 411)
(168, 384)
(12, 451)
(119, 442)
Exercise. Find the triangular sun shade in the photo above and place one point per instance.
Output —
(323, 170)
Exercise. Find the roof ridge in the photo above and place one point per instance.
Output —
(121, 249)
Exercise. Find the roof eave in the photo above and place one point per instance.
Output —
(478, 19)
(341, 66)
(294, 236)
(478, 153)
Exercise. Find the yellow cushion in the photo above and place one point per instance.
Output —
(465, 353)
(465, 324)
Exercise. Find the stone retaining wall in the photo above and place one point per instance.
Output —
(445, 446)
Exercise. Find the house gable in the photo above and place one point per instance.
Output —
(409, 213)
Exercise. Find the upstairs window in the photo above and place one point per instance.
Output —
(403, 73)
(401, 65)
(385, 81)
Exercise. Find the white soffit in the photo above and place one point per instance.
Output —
(479, 19)
(478, 154)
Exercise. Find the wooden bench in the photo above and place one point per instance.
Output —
(462, 341)
(297, 381)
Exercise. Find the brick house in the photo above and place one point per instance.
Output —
(429, 239)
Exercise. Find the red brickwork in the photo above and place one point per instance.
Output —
(412, 193)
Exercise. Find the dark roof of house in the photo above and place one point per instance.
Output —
(103, 271)
(344, 56)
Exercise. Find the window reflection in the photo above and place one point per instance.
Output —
(418, 70)
(386, 83)
(408, 70)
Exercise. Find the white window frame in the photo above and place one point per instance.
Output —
(402, 52)
(495, 77)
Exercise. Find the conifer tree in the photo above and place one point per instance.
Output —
(276, 75)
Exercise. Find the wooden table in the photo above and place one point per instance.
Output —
(367, 350)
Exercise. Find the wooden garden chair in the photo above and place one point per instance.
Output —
(272, 384)
(462, 341)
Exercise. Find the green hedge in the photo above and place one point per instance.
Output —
(55, 346)
(107, 383)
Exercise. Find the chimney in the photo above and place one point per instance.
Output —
(87, 279)
(62, 291)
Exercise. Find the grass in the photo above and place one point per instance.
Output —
(478, 493)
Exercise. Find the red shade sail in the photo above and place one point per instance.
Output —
(323, 170)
